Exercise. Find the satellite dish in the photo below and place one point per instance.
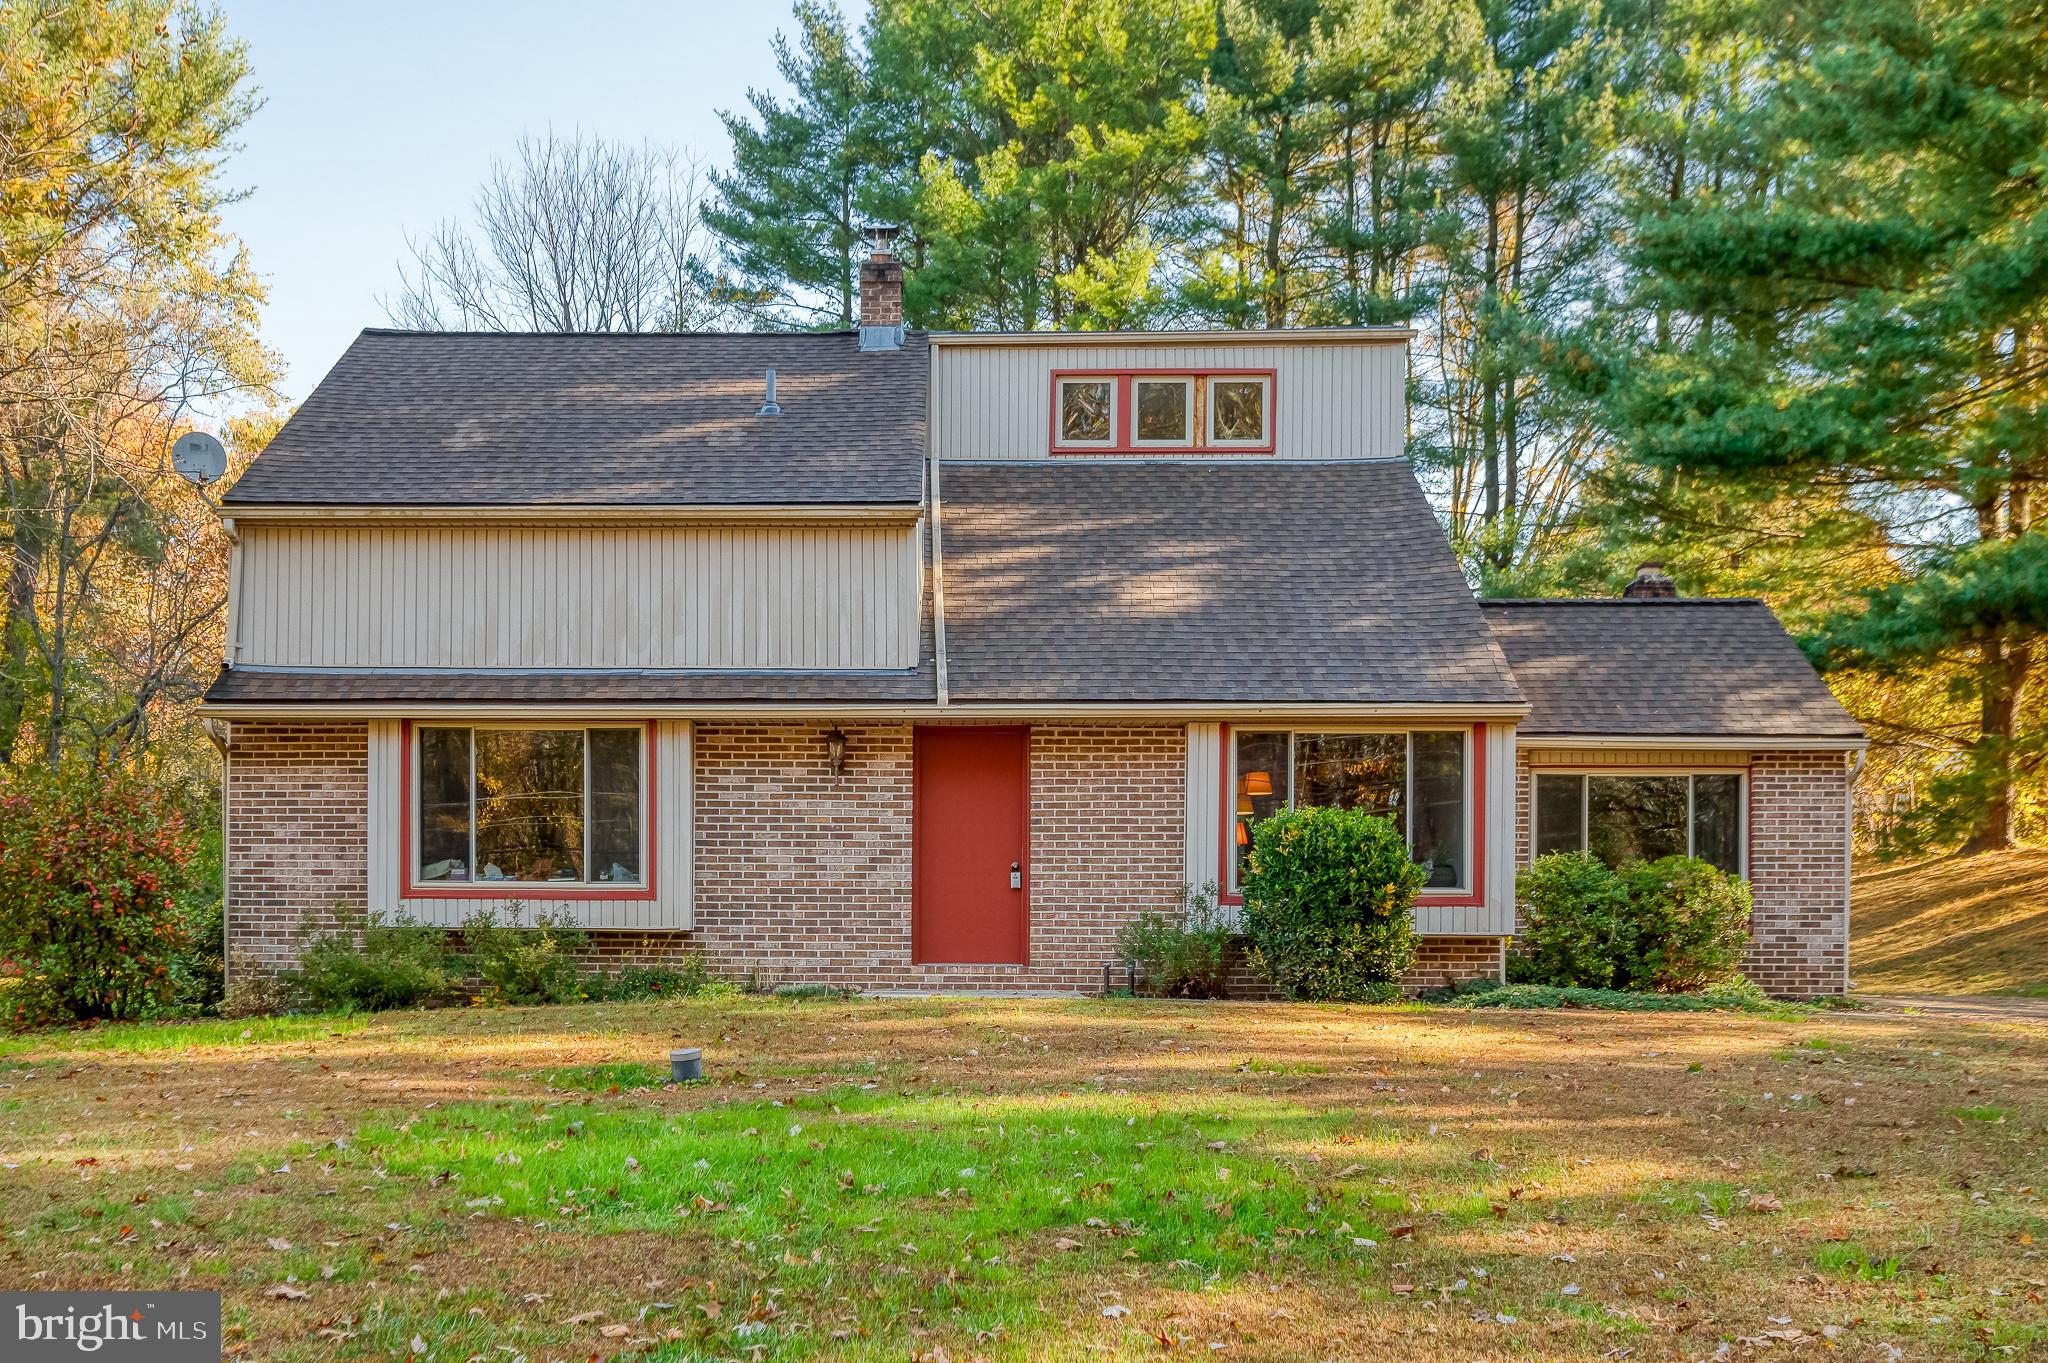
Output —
(199, 458)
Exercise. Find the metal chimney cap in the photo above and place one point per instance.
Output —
(770, 407)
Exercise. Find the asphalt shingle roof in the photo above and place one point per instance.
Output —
(467, 419)
(1662, 667)
(1246, 580)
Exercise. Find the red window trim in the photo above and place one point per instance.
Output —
(1121, 443)
(489, 890)
(1474, 897)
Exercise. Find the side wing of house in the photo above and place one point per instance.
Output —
(1665, 726)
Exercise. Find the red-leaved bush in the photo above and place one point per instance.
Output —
(90, 866)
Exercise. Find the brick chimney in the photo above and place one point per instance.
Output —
(881, 292)
(1651, 582)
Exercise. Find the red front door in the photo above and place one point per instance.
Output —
(970, 872)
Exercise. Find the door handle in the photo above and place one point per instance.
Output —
(1016, 876)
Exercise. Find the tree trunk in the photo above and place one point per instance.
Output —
(2002, 675)
(19, 600)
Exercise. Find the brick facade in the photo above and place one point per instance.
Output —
(799, 877)
(803, 878)
(1798, 858)
(297, 835)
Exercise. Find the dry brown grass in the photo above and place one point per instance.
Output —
(1952, 925)
(1708, 1186)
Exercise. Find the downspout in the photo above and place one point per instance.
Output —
(945, 697)
(1856, 761)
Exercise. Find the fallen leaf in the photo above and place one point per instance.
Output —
(288, 1292)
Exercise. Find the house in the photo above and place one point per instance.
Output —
(924, 662)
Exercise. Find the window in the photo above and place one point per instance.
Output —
(1136, 411)
(1640, 818)
(1415, 779)
(1166, 411)
(1237, 411)
(530, 806)
(1085, 412)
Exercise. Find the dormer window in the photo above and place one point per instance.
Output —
(1239, 413)
(1087, 412)
(1149, 411)
(1165, 411)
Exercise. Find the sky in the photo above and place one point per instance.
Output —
(381, 118)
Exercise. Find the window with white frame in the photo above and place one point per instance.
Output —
(1239, 411)
(1624, 818)
(1417, 779)
(529, 805)
(1164, 411)
(1087, 412)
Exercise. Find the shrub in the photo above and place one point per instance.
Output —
(365, 962)
(1575, 922)
(91, 865)
(1326, 904)
(1182, 955)
(1673, 925)
(1691, 923)
(525, 963)
(687, 980)
(1730, 998)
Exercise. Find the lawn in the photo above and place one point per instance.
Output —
(1952, 925)
(1000, 1179)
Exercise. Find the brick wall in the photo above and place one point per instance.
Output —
(1798, 872)
(297, 834)
(798, 877)
(1798, 832)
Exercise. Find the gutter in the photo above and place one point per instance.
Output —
(1701, 742)
(1171, 711)
(1383, 335)
(542, 513)
(931, 450)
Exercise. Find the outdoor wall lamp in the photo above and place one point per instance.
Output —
(835, 751)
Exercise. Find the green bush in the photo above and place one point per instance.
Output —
(523, 962)
(688, 980)
(1674, 925)
(1183, 955)
(1575, 922)
(91, 867)
(1326, 904)
(365, 962)
(1691, 923)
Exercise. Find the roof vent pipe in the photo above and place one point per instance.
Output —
(770, 407)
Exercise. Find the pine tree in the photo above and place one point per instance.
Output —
(789, 211)
(1865, 317)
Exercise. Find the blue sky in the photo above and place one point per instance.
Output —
(382, 117)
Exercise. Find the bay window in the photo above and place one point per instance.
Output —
(529, 806)
(1417, 779)
(1625, 818)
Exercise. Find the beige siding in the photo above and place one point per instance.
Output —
(578, 596)
(1204, 810)
(1334, 400)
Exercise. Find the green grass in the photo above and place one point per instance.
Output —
(1734, 1000)
(976, 1182)
(1982, 1112)
(143, 1037)
(607, 1078)
(1854, 1261)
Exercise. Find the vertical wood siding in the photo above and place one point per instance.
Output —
(1333, 400)
(673, 812)
(1496, 917)
(1204, 808)
(815, 597)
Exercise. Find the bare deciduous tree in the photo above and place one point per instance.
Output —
(572, 234)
